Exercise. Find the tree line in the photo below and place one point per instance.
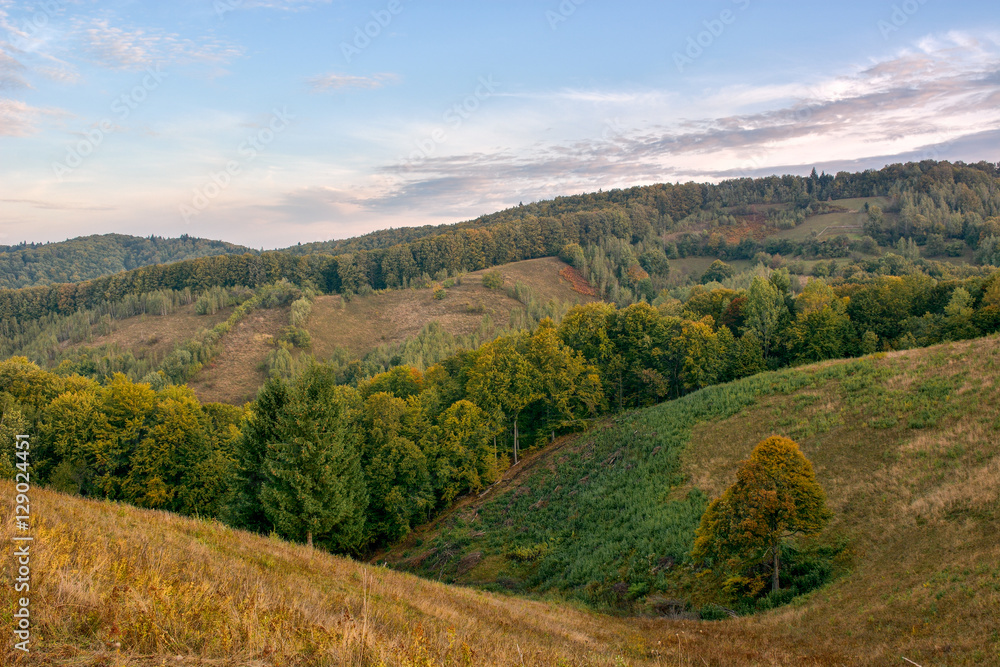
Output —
(398, 258)
(89, 257)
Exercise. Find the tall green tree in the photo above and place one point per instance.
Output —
(503, 381)
(569, 387)
(764, 311)
(821, 324)
(261, 427)
(314, 488)
(395, 467)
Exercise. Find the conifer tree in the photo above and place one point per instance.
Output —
(314, 489)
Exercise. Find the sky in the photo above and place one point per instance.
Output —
(272, 122)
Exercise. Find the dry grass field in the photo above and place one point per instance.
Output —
(234, 376)
(154, 336)
(366, 322)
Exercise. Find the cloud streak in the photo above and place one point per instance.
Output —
(331, 83)
(121, 48)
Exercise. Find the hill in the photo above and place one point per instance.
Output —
(88, 257)
(905, 445)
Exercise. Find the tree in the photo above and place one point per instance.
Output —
(395, 468)
(821, 325)
(503, 381)
(764, 311)
(314, 487)
(775, 496)
(463, 455)
(718, 272)
(261, 427)
(569, 387)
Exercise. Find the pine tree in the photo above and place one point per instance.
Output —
(314, 489)
(261, 427)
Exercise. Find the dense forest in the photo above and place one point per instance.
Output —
(88, 257)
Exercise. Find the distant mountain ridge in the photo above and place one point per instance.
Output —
(96, 255)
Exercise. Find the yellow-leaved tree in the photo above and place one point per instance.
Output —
(775, 496)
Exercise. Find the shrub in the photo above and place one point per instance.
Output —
(493, 280)
(300, 312)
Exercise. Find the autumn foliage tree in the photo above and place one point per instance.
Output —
(775, 496)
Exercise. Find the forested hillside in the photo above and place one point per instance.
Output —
(88, 257)
(354, 420)
(625, 237)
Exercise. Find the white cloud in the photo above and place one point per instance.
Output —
(335, 82)
(931, 95)
(137, 48)
(18, 119)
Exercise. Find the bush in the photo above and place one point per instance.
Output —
(528, 554)
(296, 337)
(493, 280)
(572, 254)
(300, 312)
(439, 293)
(712, 612)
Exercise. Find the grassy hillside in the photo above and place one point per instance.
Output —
(906, 446)
(116, 586)
(94, 256)
(235, 374)
(359, 325)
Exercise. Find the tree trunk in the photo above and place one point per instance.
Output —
(777, 554)
(515, 440)
(309, 538)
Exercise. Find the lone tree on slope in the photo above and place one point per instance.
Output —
(775, 496)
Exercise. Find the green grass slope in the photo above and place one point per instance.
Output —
(906, 446)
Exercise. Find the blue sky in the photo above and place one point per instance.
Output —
(269, 122)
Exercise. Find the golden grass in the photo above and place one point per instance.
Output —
(920, 506)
